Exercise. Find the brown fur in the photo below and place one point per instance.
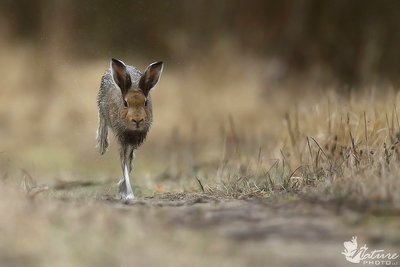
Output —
(135, 111)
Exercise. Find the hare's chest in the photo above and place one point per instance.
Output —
(134, 138)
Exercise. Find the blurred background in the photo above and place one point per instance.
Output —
(233, 69)
(290, 105)
(352, 42)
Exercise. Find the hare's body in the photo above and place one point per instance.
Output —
(125, 106)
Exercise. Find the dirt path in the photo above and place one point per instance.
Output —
(270, 232)
(82, 226)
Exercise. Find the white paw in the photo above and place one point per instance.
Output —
(127, 197)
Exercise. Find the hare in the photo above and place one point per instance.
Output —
(125, 106)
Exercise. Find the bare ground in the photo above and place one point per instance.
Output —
(177, 229)
(283, 231)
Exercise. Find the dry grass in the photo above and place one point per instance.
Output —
(220, 133)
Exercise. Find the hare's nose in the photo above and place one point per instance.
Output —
(137, 122)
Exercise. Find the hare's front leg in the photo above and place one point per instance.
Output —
(102, 132)
(125, 188)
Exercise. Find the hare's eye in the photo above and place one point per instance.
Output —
(125, 104)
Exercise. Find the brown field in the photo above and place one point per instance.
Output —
(238, 169)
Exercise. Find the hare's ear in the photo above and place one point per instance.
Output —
(150, 77)
(120, 76)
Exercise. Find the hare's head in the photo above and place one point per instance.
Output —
(137, 102)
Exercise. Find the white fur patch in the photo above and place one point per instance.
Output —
(129, 192)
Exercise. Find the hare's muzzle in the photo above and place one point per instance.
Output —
(136, 118)
(138, 122)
